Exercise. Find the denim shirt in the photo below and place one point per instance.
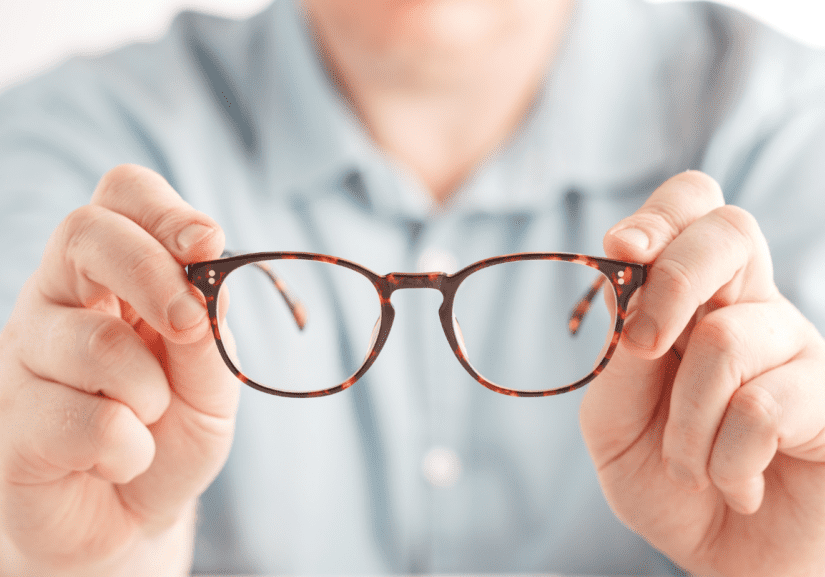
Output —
(242, 120)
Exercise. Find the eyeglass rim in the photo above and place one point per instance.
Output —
(633, 276)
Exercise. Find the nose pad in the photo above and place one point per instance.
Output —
(460, 337)
(373, 338)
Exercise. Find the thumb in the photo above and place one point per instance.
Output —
(626, 405)
(194, 435)
(197, 372)
(633, 391)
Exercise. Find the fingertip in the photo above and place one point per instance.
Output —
(155, 405)
(200, 241)
(641, 334)
(704, 183)
(748, 499)
(629, 242)
(130, 454)
(741, 508)
(193, 234)
(633, 238)
(187, 317)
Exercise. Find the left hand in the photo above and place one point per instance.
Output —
(708, 431)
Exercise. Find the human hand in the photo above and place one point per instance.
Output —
(724, 383)
(116, 410)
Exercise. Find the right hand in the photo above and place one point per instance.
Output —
(116, 410)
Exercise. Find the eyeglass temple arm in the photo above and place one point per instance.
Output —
(296, 307)
(583, 306)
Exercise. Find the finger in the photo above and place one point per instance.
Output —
(720, 259)
(97, 353)
(781, 409)
(58, 429)
(146, 198)
(199, 375)
(671, 208)
(95, 251)
(727, 348)
(745, 446)
(629, 389)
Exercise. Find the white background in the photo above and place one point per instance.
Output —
(37, 34)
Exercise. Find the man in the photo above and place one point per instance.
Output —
(386, 132)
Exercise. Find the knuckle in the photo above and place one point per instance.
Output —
(754, 407)
(723, 340)
(76, 226)
(213, 431)
(703, 183)
(147, 266)
(721, 333)
(118, 178)
(143, 264)
(109, 345)
(161, 222)
(674, 277)
(107, 424)
(75, 239)
(723, 480)
(743, 222)
(691, 442)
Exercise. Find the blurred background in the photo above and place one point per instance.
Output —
(37, 34)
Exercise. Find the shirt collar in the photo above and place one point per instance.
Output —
(598, 124)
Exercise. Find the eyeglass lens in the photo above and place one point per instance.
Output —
(341, 314)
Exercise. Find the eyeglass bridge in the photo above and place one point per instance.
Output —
(404, 280)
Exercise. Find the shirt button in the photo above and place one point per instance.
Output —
(441, 467)
(437, 260)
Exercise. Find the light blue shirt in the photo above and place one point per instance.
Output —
(241, 119)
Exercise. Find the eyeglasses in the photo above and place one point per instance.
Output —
(321, 321)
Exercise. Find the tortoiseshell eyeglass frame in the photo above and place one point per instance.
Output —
(624, 277)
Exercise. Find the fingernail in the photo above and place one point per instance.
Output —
(633, 237)
(191, 235)
(641, 330)
(185, 312)
(681, 476)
